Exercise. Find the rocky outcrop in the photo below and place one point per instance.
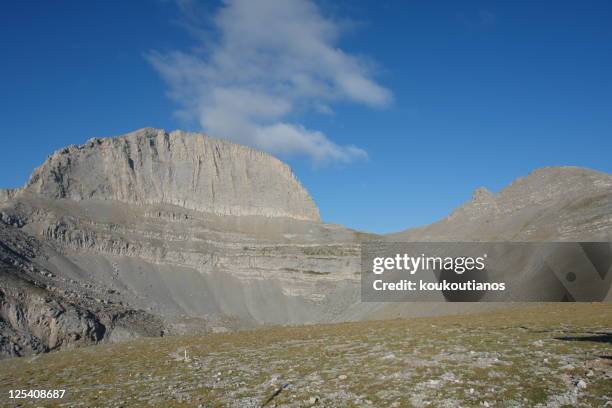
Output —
(39, 322)
(42, 311)
(151, 166)
(7, 194)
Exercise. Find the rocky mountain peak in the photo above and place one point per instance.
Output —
(482, 195)
(191, 170)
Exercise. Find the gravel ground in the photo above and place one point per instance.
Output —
(539, 356)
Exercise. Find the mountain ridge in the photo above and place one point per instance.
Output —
(554, 192)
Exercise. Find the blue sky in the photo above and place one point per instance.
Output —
(435, 98)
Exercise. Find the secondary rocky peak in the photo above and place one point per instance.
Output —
(152, 166)
(551, 203)
(553, 184)
(482, 195)
(541, 186)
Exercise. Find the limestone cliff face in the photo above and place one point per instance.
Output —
(151, 166)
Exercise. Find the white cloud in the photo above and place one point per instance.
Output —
(268, 60)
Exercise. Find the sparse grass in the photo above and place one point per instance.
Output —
(506, 358)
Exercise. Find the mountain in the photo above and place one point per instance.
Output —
(154, 233)
(550, 204)
(177, 230)
(188, 170)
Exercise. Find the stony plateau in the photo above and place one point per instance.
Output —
(541, 356)
(154, 233)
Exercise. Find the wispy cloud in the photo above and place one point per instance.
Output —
(264, 62)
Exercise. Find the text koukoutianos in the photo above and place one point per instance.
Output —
(485, 271)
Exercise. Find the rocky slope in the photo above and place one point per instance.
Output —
(155, 232)
(41, 310)
(550, 204)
